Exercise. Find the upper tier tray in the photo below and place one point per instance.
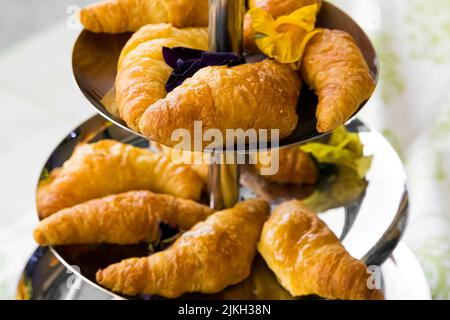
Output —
(95, 57)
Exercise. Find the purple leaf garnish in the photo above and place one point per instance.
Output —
(185, 62)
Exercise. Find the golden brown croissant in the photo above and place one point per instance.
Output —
(214, 254)
(335, 68)
(295, 166)
(116, 16)
(260, 95)
(197, 161)
(142, 73)
(308, 259)
(126, 218)
(108, 167)
(281, 7)
(276, 8)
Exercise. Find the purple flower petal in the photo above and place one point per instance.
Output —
(219, 58)
(186, 62)
(172, 55)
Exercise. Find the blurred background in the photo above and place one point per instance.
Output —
(40, 103)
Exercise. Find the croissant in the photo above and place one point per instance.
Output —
(260, 95)
(116, 16)
(308, 259)
(216, 253)
(294, 166)
(335, 68)
(276, 8)
(197, 161)
(125, 218)
(142, 72)
(108, 167)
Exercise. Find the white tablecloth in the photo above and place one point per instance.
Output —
(40, 103)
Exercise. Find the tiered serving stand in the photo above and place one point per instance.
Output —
(370, 226)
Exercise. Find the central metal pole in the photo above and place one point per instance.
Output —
(226, 21)
(225, 35)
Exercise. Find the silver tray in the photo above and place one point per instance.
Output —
(370, 226)
(95, 56)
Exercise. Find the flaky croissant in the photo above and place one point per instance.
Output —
(126, 218)
(142, 73)
(197, 161)
(276, 8)
(108, 167)
(214, 254)
(294, 166)
(335, 68)
(308, 259)
(116, 16)
(260, 95)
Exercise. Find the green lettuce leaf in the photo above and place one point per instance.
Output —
(343, 150)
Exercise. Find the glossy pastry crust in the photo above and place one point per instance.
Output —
(142, 73)
(295, 166)
(276, 8)
(214, 254)
(335, 68)
(109, 167)
(260, 95)
(126, 218)
(197, 161)
(117, 16)
(307, 258)
(281, 7)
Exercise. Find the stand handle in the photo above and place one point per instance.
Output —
(223, 182)
(226, 19)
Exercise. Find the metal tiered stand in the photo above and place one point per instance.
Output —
(370, 227)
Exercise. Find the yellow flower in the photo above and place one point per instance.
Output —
(284, 38)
